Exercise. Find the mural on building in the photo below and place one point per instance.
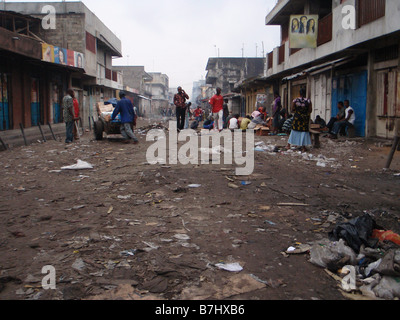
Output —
(303, 31)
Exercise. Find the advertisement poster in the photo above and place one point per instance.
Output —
(71, 58)
(60, 55)
(63, 56)
(48, 52)
(303, 31)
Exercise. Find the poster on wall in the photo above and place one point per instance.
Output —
(303, 31)
(48, 52)
(60, 55)
(63, 56)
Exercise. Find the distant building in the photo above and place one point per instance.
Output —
(159, 89)
(137, 86)
(226, 72)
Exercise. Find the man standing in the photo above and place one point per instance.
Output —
(68, 112)
(349, 120)
(226, 113)
(180, 103)
(128, 116)
(217, 104)
(76, 119)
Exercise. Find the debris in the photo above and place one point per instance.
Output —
(332, 255)
(245, 183)
(80, 165)
(299, 249)
(233, 186)
(355, 232)
(183, 237)
(292, 205)
(383, 235)
(125, 197)
(79, 265)
(232, 267)
(194, 185)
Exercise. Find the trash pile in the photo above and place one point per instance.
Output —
(155, 126)
(364, 259)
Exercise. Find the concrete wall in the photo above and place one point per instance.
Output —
(342, 39)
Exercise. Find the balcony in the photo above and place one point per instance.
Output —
(109, 78)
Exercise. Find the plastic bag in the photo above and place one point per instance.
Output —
(327, 254)
(356, 232)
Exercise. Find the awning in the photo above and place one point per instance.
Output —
(329, 64)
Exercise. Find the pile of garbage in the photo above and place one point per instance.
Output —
(364, 259)
(155, 126)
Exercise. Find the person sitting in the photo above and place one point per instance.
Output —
(209, 123)
(349, 120)
(339, 117)
(320, 121)
(245, 123)
(226, 123)
(257, 120)
(287, 126)
(233, 123)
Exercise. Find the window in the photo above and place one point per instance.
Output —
(370, 10)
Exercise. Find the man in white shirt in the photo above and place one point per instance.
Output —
(234, 123)
(349, 120)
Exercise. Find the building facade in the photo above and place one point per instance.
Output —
(356, 58)
(224, 73)
(78, 30)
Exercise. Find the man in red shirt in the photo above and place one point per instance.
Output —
(180, 103)
(76, 119)
(217, 104)
(198, 114)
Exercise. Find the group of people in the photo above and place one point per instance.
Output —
(71, 116)
(124, 108)
(300, 129)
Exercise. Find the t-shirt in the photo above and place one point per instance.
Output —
(245, 123)
(76, 108)
(352, 119)
(217, 103)
(233, 123)
(68, 103)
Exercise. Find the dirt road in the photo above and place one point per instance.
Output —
(127, 229)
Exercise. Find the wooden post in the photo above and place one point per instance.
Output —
(23, 133)
(396, 143)
(4, 145)
(52, 133)
(41, 131)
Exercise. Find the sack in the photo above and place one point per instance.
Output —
(328, 254)
(356, 232)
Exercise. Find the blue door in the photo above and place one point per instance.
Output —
(352, 87)
(4, 102)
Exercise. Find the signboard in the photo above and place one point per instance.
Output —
(303, 31)
(62, 56)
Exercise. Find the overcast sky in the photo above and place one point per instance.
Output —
(177, 37)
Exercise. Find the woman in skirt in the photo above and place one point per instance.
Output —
(300, 135)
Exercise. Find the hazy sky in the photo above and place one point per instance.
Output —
(176, 37)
